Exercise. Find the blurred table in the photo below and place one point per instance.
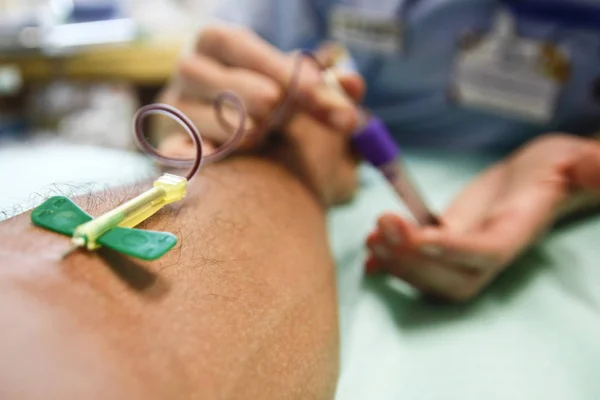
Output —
(142, 63)
(33, 170)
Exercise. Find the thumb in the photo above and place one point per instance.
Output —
(338, 105)
(353, 84)
(328, 54)
(326, 104)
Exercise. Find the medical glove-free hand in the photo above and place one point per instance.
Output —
(502, 212)
(236, 59)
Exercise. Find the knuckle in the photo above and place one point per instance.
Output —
(218, 37)
(214, 36)
(185, 66)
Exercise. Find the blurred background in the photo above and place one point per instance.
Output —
(77, 70)
(72, 75)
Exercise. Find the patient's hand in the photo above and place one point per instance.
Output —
(491, 222)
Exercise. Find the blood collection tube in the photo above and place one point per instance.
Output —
(375, 143)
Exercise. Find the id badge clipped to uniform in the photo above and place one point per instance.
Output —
(510, 75)
(366, 30)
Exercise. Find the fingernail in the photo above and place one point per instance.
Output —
(391, 233)
(342, 120)
(431, 250)
(382, 252)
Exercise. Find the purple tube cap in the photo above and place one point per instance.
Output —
(375, 143)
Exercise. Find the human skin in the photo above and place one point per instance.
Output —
(243, 308)
(502, 212)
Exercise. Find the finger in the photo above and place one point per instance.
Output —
(395, 260)
(203, 116)
(205, 78)
(180, 145)
(470, 251)
(585, 173)
(423, 274)
(402, 238)
(338, 108)
(332, 106)
(396, 231)
(372, 266)
(177, 145)
(379, 248)
(443, 282)
(240, 48)
(329, 53)
(353, 84)
(340, 89)
(511, 227)
(432, 275)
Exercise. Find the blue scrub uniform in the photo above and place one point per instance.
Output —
(409, 89)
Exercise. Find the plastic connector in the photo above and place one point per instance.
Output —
(167, 189)
(174, 186)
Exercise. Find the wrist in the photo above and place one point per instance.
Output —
(282, 150)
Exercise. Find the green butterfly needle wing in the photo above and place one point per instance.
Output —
(138, 243)
(59, 214)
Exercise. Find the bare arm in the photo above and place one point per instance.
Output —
(243, 308)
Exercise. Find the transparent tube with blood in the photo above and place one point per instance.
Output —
(397, 175)
(374, 142)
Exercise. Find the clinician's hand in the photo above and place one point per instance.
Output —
(320, 156)
(237, 59)
(498, 215)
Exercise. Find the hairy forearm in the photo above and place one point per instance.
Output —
(243, 307)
